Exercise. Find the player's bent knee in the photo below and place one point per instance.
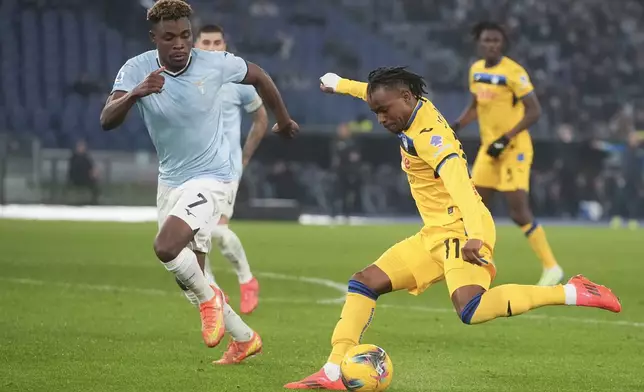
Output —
(372, 278)
(164, 251)
(467, 312)
(520, 216)
(361, 288)
(466, 300)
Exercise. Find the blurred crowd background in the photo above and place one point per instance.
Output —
(586, 59)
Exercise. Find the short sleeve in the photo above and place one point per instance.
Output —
(233, 68)
(519, 82)
(127, 78)
(250, 100)
(436, 146)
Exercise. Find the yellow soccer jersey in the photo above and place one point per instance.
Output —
(436, 167)
(498, 92)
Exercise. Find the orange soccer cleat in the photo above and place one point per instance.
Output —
(238, 351)
(249, 296)
(594, 295)
(318, 380)
(212, 319)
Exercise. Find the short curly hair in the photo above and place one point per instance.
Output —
(169, 10)
(480, 27)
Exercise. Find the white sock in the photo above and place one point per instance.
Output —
(232, 249)
(191, 297)
(571, 294)
(332, 371)
(235, 326)
(210, 277)
(185, 268)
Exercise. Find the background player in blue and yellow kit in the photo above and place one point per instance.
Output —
(456, 242)
(505, 104)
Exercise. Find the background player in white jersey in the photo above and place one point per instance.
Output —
(234, 98)
(174, 88)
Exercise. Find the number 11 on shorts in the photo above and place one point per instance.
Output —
(457, 248)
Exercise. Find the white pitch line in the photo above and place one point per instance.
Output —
(342, 288)
(85, 286)
(319, 281)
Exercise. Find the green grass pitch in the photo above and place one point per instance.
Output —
(86, 307)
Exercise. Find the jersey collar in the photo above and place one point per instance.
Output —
(414, 113)
(181, 71)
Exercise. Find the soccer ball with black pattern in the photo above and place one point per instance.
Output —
(366, 368)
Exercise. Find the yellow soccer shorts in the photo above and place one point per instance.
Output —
(434, 254)
(510, 172)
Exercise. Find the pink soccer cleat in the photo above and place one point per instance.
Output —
(318, 380)
(238, 351)
(594, 295)
(212, 319)
(249, 296)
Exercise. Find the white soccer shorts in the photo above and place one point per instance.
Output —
(197, 202)
(228, 203)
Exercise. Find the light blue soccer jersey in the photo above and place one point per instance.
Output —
(235, 97)
(184, 120)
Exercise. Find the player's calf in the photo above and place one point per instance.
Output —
(521, 214)
(364, 288)
(512, 299)
(363, 291)
(170, 247)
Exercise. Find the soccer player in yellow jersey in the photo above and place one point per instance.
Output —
(457, 240)
(505, 104)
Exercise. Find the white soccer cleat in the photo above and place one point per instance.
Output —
(330, 81)
(551, 276)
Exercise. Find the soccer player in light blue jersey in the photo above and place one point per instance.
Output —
(234, 99)
(174, 89)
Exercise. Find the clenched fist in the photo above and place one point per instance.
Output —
(153, 83)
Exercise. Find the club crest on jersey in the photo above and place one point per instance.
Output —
(436, 141)
(407, 144)
(200, 85)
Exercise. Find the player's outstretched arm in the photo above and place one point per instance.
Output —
(256, 134)
(271, 96)
(332, 83)
(120, 102)
(469, 115)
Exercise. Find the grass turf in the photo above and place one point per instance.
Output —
(85, 306)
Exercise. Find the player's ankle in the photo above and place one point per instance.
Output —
(571, 294)
(332, 371)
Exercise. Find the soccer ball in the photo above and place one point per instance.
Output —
(366, 368)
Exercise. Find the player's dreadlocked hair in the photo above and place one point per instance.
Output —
(396, 77)
(480, 27)
(169, 10)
